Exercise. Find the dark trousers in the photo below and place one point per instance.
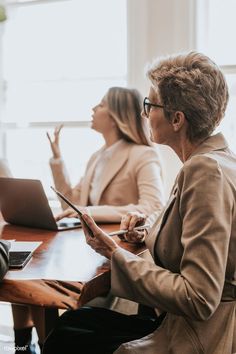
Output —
(93, 330)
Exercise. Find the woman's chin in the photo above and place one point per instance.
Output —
(94, 128)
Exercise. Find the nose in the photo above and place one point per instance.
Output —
(94, 108)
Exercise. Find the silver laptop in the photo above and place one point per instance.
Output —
(24, 202)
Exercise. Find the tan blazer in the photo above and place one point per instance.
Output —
(194, 247)
(131, 181)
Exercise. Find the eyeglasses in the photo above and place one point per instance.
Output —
(147, 105)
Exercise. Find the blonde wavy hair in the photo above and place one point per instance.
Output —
(125, 107)
(194, 84)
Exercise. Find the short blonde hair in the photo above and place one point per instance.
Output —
(194, 84)
(125, 106)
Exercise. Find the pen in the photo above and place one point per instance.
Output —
(122, 232)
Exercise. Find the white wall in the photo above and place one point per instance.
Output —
(157, 28)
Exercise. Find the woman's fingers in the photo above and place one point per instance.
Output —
(135, 236)
(56, 135)
(85, 229)
(69, 213)
(131, 220)
(136, 220)
(54, 143)
(101, 242)
(89, 222)
(57, 131)
(60, 128)
(125, 220)
(49, 138)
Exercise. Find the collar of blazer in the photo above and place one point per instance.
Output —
(119, 157)
(213, 143)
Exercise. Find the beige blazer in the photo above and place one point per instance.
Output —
(193, 244)
(131, 181)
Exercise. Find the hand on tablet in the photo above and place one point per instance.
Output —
(102, 243)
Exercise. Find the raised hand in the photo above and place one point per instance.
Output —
(54, 143)
(128, 222)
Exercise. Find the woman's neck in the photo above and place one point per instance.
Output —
(185, 148)
(111, 138)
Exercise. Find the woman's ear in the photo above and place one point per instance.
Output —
(113, 123)
(178, 120)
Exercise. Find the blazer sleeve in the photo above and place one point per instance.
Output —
(206, 209)
(151, 198)
(4, 256)
(62, 181)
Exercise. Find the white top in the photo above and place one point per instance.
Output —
(104, 156)
(4, 169)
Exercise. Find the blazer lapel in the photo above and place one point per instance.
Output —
(113, 166)
(157, 226)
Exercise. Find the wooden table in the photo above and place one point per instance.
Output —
(64, 271)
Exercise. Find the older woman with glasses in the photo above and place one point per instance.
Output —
(192, 281)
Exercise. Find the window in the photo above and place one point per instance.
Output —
(59, 58)
(215, 27)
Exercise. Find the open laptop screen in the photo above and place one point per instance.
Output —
(24, 202)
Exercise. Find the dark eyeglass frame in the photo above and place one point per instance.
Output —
(148, 105)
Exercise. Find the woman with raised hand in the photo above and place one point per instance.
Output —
(125, 174)
(192, 281)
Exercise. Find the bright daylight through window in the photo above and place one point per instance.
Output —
(59, 58)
